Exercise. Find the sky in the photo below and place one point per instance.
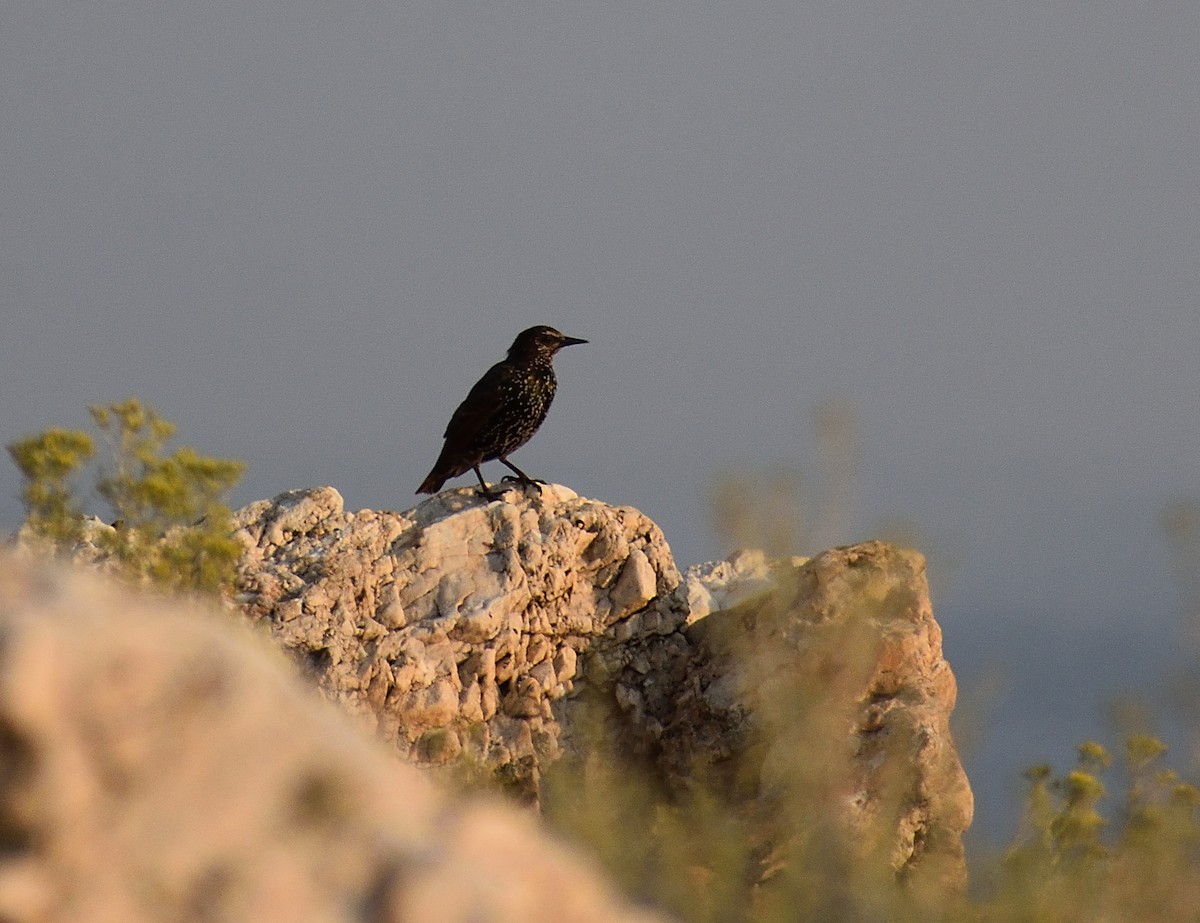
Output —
(302, 230)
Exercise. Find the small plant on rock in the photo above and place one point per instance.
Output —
(170, 524)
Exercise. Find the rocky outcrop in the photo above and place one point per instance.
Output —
(500, 635)
(165, 765)
(453, 628)
(831, 683)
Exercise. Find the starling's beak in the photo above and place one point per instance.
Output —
(572, 341)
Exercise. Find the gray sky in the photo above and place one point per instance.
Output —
(302, 232)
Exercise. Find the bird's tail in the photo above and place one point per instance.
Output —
(443, 469)
(433, 481)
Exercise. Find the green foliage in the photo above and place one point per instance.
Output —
(171, 525)
(693, 856)
(699, 856)
(49, 463)
(1062, 868)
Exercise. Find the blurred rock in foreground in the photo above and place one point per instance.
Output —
(157, 764)
(531, 632)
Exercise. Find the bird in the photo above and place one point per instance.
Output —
(502, 412)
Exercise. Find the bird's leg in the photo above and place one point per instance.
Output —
(487, 491)
(524, 478)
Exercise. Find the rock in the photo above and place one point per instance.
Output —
(457, 614)
(717, 585)
(159, 764)
(834, 682)
(491, 620)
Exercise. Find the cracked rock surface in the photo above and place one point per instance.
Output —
(455, 627)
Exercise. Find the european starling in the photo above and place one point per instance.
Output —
(502, 412)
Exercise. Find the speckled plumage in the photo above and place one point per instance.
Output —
(503, 411)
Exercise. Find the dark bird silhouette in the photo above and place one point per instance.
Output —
(502, 411)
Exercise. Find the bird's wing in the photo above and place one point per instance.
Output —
(480, 404)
